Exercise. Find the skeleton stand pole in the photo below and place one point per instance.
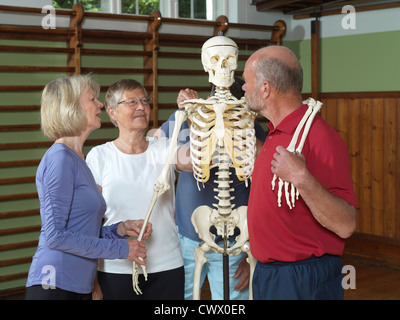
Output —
(226, 275)
(225, 262)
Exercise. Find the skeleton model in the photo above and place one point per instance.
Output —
(222, 136)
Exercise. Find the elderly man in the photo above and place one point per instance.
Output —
(297, 249)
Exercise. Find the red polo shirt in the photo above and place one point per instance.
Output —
(281, 234)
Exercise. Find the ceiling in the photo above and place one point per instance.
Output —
(303, 7)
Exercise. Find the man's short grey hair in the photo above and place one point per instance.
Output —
(279, 75)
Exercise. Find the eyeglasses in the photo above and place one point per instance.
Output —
(132, 102)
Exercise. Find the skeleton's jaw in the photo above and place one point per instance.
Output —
(221, 80)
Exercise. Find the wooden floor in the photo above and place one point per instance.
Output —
(372, 283)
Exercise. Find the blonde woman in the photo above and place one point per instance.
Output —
(126, 170)
(71, 205)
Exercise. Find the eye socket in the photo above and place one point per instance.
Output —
(214, 59)
(232, 60)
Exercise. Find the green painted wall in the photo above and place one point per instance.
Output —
(357, 63)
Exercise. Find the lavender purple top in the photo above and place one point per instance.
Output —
(71, 238)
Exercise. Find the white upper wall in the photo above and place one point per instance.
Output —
(26, 3)
(331, 26)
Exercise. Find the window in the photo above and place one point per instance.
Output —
(201, 9)
(194, 9)
(190, 9)
(88, 5)
(143, 7)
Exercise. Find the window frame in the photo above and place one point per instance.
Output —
(170, 8)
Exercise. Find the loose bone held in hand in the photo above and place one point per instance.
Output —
(160, 187)
(313, 109)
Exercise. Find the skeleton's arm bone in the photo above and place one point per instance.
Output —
(160, 187)
(162, 181)
(315, 110)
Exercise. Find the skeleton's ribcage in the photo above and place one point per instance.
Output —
(237, 140)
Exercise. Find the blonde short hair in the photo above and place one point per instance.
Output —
(117, 89)
(61, 112)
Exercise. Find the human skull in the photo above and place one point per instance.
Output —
(219, 56)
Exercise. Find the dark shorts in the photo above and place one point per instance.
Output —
(317, 278)
(166, 285)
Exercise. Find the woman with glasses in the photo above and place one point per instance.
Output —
(126, 170)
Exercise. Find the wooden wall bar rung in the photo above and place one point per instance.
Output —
(19, 196)
(44, 144)
(14, 262)
(17, 214)
(108, 52)
(181, 55)
(19, 108)
(35, 69)
(36, 127)
(13, 231)
(19, 245)
(62, 33)
(13, 276)
(18, 180)
(178, 88)
(25, 145)
(179, 72)
(19, 127)
(32, 49)
(20, 163)
(115, 70)
(19, 88)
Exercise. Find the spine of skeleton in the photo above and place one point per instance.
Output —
(224, 205)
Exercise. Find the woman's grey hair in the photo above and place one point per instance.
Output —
(281, 76)
(116, 90)
(61, 111)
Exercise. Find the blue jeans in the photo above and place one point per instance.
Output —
(213, 270)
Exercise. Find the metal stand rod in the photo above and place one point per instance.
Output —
(226, 276)
(226, 265)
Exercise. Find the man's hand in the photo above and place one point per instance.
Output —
(186, 94)
(243, 271)
(290, 167)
